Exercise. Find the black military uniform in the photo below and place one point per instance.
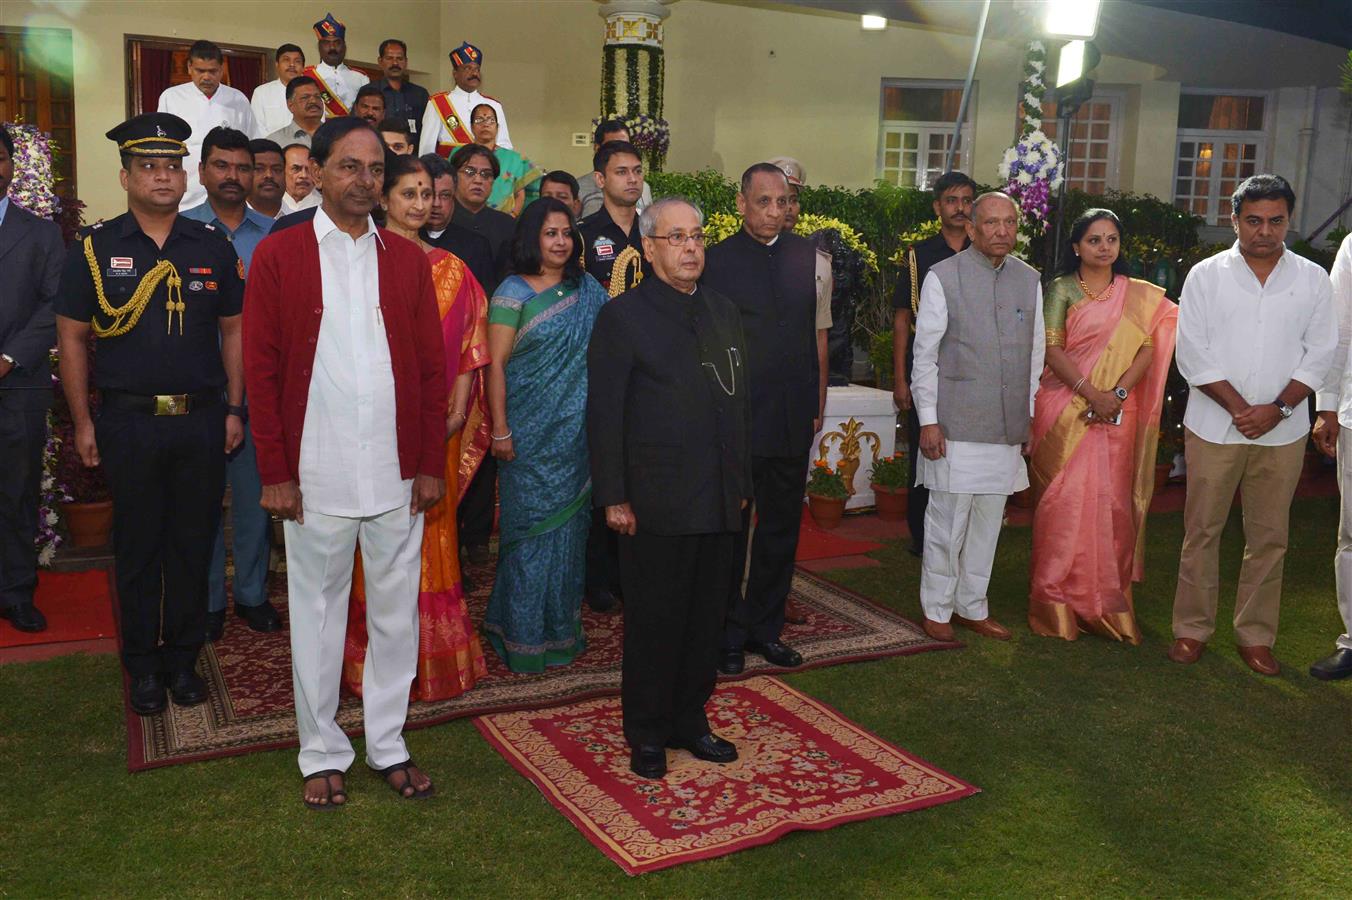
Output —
(918, 260)
(775, 288)
(160, 430)
(668, 432)
(608, 254)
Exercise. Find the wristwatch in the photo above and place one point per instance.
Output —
(1120, 393)
(236, 411)
(1283, 408)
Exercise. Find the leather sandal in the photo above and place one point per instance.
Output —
(332, 794)
(402, 768)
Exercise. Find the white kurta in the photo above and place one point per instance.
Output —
(345, 82)
(1256, 336)
(1336, 395)
(227, 107)
(434, 131)
(967, 467)
(269, 107)
(314, 198)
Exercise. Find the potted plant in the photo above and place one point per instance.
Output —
(889, 480)
(826, 495)
(88, 513)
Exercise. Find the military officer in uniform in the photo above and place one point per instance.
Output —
(613, 255)
(953, 196)
(162, 295)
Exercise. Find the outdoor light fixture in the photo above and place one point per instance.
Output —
(873, 23)
(1071, 18)
(1071, 64)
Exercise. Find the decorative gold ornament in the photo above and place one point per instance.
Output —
(125, 317)
(628, 264)
(850, 439)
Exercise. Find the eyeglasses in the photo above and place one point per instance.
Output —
(472, 173)
(679, 238)
(484, 120)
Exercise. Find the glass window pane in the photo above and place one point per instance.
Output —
(920, 104)
(911, 140)
(1220, 112)
(1099, 131)
(1204, 168)
(892, 140)
(1187, 149)
(1181, 187)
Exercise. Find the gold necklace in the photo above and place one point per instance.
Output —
(1079, 276)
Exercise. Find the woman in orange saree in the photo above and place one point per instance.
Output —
(1110, 339)
(450, 656)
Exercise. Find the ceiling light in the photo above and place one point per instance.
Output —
(1071, 18)
(873, 23)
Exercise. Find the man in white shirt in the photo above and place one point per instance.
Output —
(203, 102)
(1256, 334)
(1333, 434)
(269, 99)
(338, 83)
(347, 396)
(979, 344)
(445, 123)
(300, 190)
(305, 101)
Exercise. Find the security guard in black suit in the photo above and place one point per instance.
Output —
(953, 196)
(668, 429)
(162, 296)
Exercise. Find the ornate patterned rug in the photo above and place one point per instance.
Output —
(249, 675)
(801, 766)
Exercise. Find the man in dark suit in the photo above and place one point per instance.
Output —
(772, 277)
(668, 431)
(31, 255)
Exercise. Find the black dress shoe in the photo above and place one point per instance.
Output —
(215, 625)
(709, 747)
(648, 762)
(25, 617)
(602, 601)
(776, 654)
(1331, 668)
(147, 694)
(261, 617)
(187, 688)
(732, 662)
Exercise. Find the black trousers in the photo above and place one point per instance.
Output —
(475, 513)
(603, 557)
(167, 475)
(674, 592)
(918, 497)
(23, 433)
(757, 613)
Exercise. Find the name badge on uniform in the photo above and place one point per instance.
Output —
(120, 267)
(413, 125)
(604, 247)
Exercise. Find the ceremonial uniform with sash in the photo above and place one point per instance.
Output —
(338, 85)
(156, 314)
(919, 257)
(610, 256)
(445, 122)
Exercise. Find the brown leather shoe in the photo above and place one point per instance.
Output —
(1186, 651)
(1260, 659)
(940, 631)
(986, 627)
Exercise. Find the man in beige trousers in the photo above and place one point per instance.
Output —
(1256, 334)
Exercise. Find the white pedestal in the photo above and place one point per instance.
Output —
(860, 425)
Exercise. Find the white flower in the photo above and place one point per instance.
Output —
(51, 517)
(45, 555)
(1025, 177)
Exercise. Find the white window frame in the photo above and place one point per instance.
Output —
(924, 131)
(1115, 97)
(1261, 140)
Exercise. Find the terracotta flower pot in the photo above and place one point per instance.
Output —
(89, 524)
(826, 511)
(1162, 471)
(890, 502)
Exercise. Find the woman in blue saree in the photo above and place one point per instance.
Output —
(539, 324)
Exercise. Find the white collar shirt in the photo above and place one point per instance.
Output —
(434, 131)
(314, 198)
(269, 106)
(345, 82)
(1257, 336)
(227, 107)
(1336, 393)
(349, 451)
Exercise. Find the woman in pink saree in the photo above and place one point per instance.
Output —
(1110, 339)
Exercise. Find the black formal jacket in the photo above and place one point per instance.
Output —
(933, 249)
(775, 289)
(31, 256)
(667, 415)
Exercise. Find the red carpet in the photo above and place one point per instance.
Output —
(77, 606)
(801, 766)
(814, 543)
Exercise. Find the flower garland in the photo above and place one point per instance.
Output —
(636, 97)
(720, 226)
(32, 189)
(1032, 169)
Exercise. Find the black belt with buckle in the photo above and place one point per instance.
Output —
(161, 404)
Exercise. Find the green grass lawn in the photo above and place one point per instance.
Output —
(1106, 770)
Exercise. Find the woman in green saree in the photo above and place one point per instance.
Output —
(519, 181)
(539, 325)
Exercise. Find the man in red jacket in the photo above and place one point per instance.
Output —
(346, 384)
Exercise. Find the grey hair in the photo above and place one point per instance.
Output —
(994, 195)
(647, 220)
